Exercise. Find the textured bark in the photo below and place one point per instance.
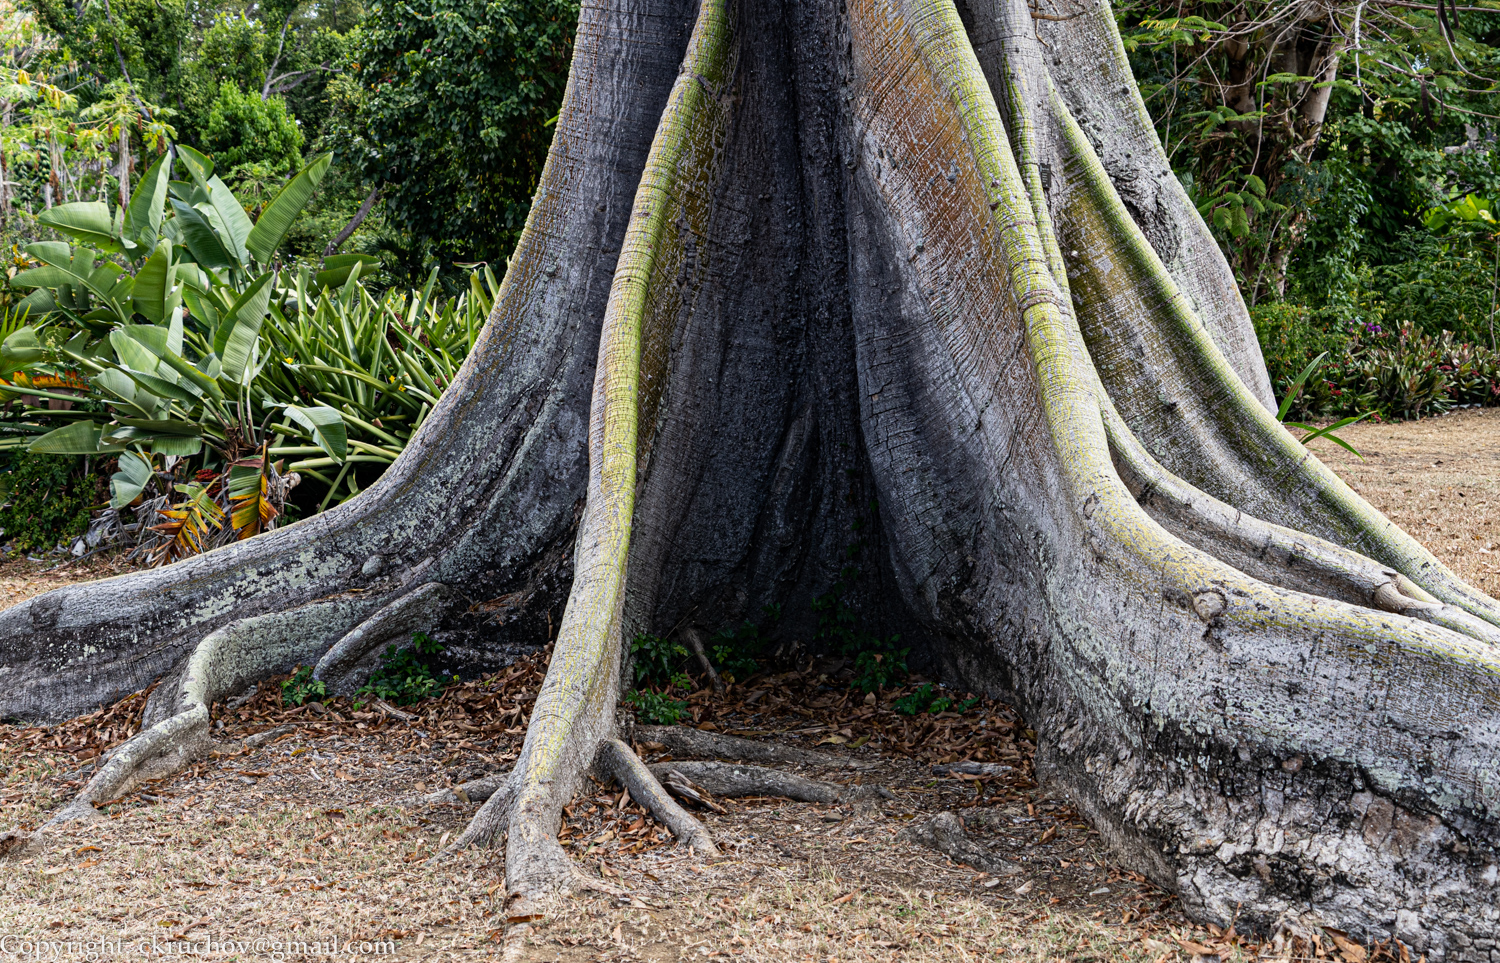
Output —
(797, 268)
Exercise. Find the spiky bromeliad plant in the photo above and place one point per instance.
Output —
(792, 259)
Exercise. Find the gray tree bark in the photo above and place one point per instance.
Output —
(794, 266)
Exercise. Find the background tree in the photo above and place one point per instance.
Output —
(243, 128)
(450, 116)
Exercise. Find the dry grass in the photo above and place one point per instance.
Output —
(306, 838)
(21, 578)
(1439, 479)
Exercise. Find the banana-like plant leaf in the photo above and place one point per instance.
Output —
(46, 276)
(269, 231)
(153, 284)
(185, 392)
(135, 352)
(202, 306)
(167, 427)
(234, 223)
(38, 304)
(235, 341)
(88, 221)
(21, 349)
(143, 216)
(179, 445)
(336, 269)
(79, 438)
(326, 427)
(251, 510)
(200, 239)
(205, 379)
(126, 485)
(200, 167)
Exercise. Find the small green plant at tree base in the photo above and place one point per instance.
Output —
(657, 660)
(737, 649)
(656, 708)
(928, 699)
(877, 662)
(301, 687)
(1312, 433)
(403, 678)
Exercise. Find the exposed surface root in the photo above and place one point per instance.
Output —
(475, 790)
(621, 762)
(417, 609)
(987, 769)
(683, 741)
(493, 818)
(228, 659)
(730, 779)
(158, 752)
(695, 642)
(945, 833)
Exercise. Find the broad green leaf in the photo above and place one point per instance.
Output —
(336, 269)
(235, 341)
(126, 485)
(161, 444)
(38, 304)
(199, 166)
(148, 204)
(174, 322)
(20, 349)
(46, 276)
(153, 337)
(153, 282)
(200, 239)
(203, 307)
(118, 385)
(133, 353)
(233, 220)
(269, 231)
(79, 438)
(326, 427)
(88, 221)
(204, 380)
(164, 427)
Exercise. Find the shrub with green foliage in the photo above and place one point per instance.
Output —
(454, 99)
(932, 700)
(301, 687)
(656, 708)
(45, 499)
(404, 676)
(244, 129)
(657, 661)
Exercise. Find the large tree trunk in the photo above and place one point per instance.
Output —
(797, 267)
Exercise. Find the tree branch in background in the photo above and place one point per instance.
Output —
(354, 222)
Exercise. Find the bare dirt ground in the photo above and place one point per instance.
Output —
(314, 839)
(1438, 478)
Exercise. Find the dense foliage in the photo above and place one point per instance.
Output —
(1318, 140)
(439, 115)
(451, 112)
(167, 339)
